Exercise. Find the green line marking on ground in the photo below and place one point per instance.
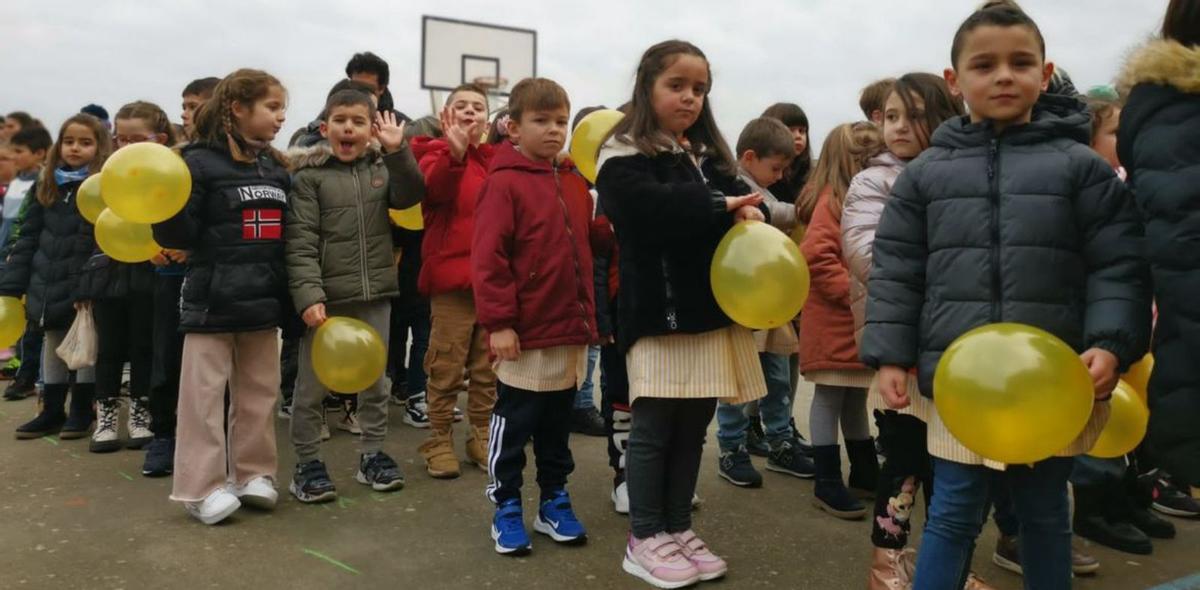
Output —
(344, 502)
(125, 475)
(51, 440)
(332, 561)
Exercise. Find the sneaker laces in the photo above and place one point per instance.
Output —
(139, 414)
(109, 413)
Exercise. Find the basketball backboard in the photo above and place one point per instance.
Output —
(455, 52)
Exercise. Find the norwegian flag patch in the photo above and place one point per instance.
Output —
(262, 224)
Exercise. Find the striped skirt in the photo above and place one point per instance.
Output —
(722, 364)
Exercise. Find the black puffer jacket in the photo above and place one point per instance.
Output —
(1159, 145)
(46, 259)
(668, 219)
(233, 226)
(105, 278)
(1029, 226)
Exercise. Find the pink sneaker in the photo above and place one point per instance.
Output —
(659, 561)
(710, 566)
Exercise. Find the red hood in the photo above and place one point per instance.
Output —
(507, 157)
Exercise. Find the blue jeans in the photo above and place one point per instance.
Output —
(1093, 471)
(775, 408)
(956, 516)
(583, 397)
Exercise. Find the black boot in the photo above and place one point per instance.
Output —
(1091, 523)
(83, 413)
(1139, 513)
(864, 467)
(829, 493)
(50, 416)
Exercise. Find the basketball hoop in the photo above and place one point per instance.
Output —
(492, 84)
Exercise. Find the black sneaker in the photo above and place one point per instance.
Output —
(736, 468)
(1168, 499)
(160, 457)
(19, 390)
(379, 471)
(756, 439)
(787, 457)
(311, 483)
(798, 439)
(587, 421)
(1155, 526)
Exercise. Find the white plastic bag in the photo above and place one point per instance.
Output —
(78, 348)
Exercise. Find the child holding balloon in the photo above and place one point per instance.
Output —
(1007, 217)
(119, 295)
(233, 298)
(339, 263)
(44, 267)
(682, 351)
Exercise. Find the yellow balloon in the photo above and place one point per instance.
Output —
(348, 355)
(88, 199)
(587, 138)
(1126, 427)
(410, 218)
(1138, 377)
(1012, 393)
(145, 183)
(124, 240)
(12, 321)
(759, 277)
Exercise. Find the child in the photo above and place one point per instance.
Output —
(872, 97)
(29, 146)
(195, 94)
(531, 268)
(682, 351)
(44, 267)
(232, 299)
(917, 105)
(454, 169)
(1156, 143)
(765, 150)
(828, 354)
(339, 262)
(1007, 217)
(787, 189)
(120, 296)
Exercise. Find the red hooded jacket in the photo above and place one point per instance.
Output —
(451, 189)
(531, 259)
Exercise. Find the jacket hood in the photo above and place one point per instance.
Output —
(508, 157)
(318, 154)
(1163, 62)
(1053, 116)
(885, 158)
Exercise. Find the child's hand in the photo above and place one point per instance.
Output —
(893, 386)
(159, 259)
(735, 203)
(314, 316)
(505, 344)
(748, 213)
(458, 136)
(180, 256)
(388, 132)
(1102, 366)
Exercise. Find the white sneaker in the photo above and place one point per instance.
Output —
(325, 434)
(416, 412)
(620, 498)
(215, 508)
(349, 423)
(258, 493)
(697, 501)
(139, 423)
(106, 438)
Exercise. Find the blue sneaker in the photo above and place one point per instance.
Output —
(557, 521)
(508, 529)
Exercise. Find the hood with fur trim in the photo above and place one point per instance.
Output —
(1163, 62)
(319, 153)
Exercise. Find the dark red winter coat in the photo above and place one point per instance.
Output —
(531, 259)
(451, 189)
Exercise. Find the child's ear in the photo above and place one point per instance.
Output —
(324, 129)
(952, 81)
(1047, 74)
(749, 156)
(40, 155)
(512, 127)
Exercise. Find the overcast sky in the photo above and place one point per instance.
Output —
(58, 55)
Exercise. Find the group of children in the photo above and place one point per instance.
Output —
(989, 194)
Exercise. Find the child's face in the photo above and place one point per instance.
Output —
(348, 130)
(678, 94)
(765, 171)
(262, 120)
(900, 126)
(469, 109)
(26, 160)
(370, 79)
(78, 147)
(1000, 74)
(131, 131)
(1105, 140)
(191, 104)
(540, 134)
(8, 167)
(799, 138)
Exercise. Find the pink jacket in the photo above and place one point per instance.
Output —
(865, 200)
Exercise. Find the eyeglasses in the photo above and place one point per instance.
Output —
(128, 139)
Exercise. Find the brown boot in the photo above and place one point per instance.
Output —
(438, 452)
(892, 569)
(477, 447)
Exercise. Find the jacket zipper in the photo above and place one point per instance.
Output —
(574, 251)
(362, 241)
(993, 171)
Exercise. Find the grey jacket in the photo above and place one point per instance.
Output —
(865, 199)
(1028, 226)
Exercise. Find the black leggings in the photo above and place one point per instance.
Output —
(906, 470)
(168, 355)
(663, 462)
(124, 332)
